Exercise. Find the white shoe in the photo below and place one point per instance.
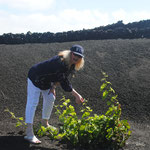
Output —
(32, 139)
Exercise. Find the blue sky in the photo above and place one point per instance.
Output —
(21, 16)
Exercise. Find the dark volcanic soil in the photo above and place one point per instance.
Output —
(127, 62)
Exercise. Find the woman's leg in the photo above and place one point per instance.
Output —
(48, 103)
(33, 94)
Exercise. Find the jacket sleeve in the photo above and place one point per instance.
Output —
(62, 76)
(65, 84)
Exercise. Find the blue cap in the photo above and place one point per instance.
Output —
(78, 50)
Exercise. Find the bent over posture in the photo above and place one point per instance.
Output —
(44, 77)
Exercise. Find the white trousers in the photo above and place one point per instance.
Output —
(33, 94)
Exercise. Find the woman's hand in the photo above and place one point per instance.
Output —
(78, 97)
(79, 100)
(52, 90)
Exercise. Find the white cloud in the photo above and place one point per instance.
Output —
(28, 4)
(119, 15)
(69, 19)
(127, 17)
(137, 16)
(63, 21)
(83, 19)
(25, 23)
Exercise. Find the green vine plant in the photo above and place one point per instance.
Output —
(103, 131)
(19, 120)
(49, 131)
(39, 130)
(98, 130)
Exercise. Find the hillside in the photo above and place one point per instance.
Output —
(119, 30)
(125, 61)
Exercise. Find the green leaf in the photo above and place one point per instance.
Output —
(73, 114)
(114, 98)
(86, 114)
(109, 111)
(89, 109)
(105, 94)
(68, 111)
(21, 118)
(103, 86)
(67, 101)
(60, 136)
(112, 90)
(110, 133)
(18, 124)
(64, 103)
(129, 132)
(109, 103)
(43, 129)
(125, 123)
(108, 82)
(104, 74)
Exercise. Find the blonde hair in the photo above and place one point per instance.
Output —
(66, 54)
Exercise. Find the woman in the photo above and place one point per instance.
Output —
(44, 78)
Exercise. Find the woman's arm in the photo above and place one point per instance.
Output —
(78, 97)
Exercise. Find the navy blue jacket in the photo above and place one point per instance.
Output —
(49, 71)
